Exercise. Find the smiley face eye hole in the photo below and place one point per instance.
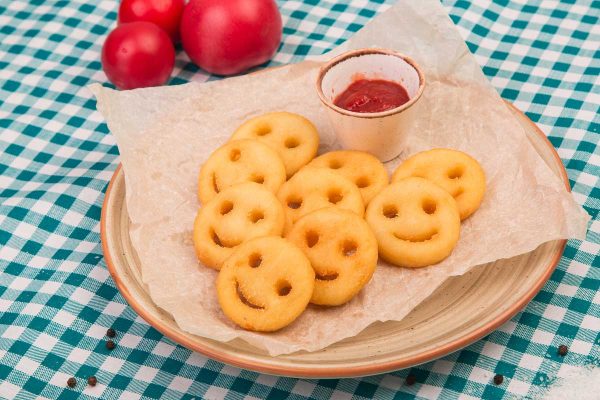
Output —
(294, 202)
(312, 238)
(362, 182)
(335, 164)
(291, 143)
(226, 207)
(349, 248)
(262, 130)
(456, 172)
(334, 196)
(390, 211)
(258, 179)
(235, 155)
(429, 206)
(254, 260)
(256, 215)
(283, 287)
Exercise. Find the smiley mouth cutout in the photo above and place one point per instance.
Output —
(329, 276)
(417, 238)
(217, 240)
(214, 183)
(244, 298)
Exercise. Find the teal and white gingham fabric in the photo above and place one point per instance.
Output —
(57, 156)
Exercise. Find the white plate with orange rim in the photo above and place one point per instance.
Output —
(463, 310)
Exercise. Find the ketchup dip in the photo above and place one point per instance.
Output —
(372, 96)
(369, 95)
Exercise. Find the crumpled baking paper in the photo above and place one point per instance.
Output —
(164, 134)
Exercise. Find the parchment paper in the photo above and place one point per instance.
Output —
(164, 134)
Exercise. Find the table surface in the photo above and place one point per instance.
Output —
(56, 157)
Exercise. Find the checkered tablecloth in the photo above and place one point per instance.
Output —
(56, 156)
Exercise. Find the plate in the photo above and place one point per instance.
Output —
(461, 311)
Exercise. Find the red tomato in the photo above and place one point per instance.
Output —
(164, 13)
(138, 54)
(227, 37)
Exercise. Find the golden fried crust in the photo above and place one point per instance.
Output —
(292, 136)
(365, 170)
(342, 250)
(238, 162)
(238, 213)
(265, 284)
(416, 223)
(456, 172)
(313, 188)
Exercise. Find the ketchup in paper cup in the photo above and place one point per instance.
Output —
(369, 94)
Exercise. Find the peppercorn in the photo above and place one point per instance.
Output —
(563, 350)
(498, 379)
(71, 382)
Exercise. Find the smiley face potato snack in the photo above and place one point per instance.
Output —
(314, 188)
(366, 171)
(292, 136)
(416, 223)
(454, 171)
(238, 213)
(265, 284)
(342, 250)
(238, 162)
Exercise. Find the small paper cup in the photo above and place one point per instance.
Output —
(382, 134)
